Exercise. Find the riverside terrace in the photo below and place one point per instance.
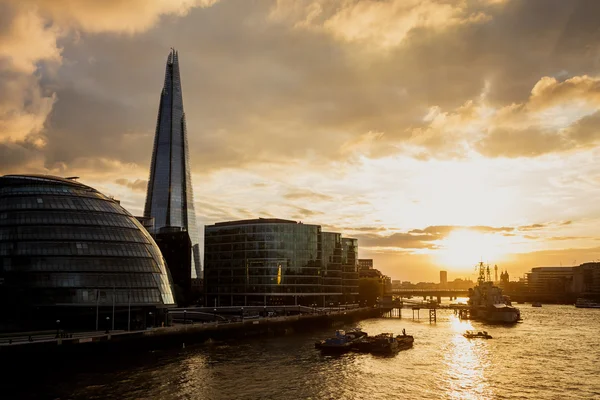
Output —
(41, 344)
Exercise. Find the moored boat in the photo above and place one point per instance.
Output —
(341, 342)
(586, 303)
(536, 304)
(487, 302)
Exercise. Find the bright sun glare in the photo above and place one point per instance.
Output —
(462, 249)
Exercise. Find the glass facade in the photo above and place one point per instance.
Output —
(270, 262)
(170, 198)
(65, 244)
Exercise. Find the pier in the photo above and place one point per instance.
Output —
(393, 309)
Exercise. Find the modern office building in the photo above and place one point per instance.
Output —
(70, 253)
(349, 269)
(170, 199)
(365, 263)
(278, 262)
(550, 279)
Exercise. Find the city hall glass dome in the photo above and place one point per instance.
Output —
(64, 244)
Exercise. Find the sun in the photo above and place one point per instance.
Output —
(462, 249)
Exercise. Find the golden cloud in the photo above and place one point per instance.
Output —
(381, 24)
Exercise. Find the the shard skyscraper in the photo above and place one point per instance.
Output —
(170, 198)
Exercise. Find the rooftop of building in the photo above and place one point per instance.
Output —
(552, 269)
(49, 178)
(256, 221)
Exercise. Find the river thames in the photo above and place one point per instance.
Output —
(552, 354)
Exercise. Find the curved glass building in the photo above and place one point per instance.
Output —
(70, 253)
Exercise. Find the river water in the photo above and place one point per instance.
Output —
(553, 354)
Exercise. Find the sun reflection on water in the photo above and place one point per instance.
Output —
(467, 361)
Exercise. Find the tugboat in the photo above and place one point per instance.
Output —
(341, 343)
(487, 302)
(477, 335)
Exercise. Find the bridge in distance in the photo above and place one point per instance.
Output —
(430, 292)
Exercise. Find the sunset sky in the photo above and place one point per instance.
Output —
(436, 132)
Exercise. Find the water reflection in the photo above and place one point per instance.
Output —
(466, 363)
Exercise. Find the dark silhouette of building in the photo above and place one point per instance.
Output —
(170, 199)
(70, 253)
(443, 278)
(176, 247)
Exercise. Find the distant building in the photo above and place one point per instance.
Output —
(443, 278)
(278, 262)
(550, 279)
(586, 279)
(365, 263)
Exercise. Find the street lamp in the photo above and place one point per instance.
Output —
(265, 311)
(184, 320)
(57, 327)
(339, 307)
(150, 314)
(242, 314)
(107, 324)
(215, 314)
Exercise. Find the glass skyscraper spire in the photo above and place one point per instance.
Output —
(170, 198)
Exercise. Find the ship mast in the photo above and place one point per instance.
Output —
(481, 268)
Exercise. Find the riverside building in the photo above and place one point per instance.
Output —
(278, 262)
(71, 257)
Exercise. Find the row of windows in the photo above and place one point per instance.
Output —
(74, 248)
(266, 289)
(66, 218)
(59, 203)
(89, 280)
(311, 239)
(122, 297)
(298, 256)
(262, 228)
(72, 233)
(79, 264)
(268, 280)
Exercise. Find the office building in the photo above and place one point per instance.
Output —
(170, 199)
(70, 253)
(278, 262)
(365, 263)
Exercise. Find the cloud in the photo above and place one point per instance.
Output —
(382, 24)
(30, 55)
(137, 185)
(306, 194)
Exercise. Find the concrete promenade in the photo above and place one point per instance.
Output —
(177, 335)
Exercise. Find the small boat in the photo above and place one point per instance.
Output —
(477, 335)
(536, 304)
(342, 342)
(384, 343)
(586, 303)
